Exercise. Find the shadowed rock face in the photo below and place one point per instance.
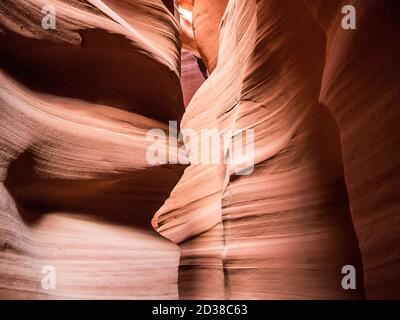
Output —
(192, 77)
(324, 190)
(76, 189)
(360, 87)
(207, 16)
(75, 106)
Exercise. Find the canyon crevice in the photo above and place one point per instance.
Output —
(77, 191)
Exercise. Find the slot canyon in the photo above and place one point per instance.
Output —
(82, 82)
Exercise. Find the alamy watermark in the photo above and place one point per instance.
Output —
(349, 280)
(349, 20)
(48, 281)
(49, 19)
(234, 148)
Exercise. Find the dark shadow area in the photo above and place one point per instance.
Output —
(106, 69)
(202, 67)
(324, 140)
(169, 4)
(129, 200)
(329, 137)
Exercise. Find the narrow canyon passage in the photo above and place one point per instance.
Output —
(317, 191)
(284, 231)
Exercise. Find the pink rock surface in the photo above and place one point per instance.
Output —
(207, 16)
(286, 70)
(361, 88)
(78, 193)
(191, 77)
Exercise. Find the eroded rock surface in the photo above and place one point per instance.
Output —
(313, 93)
(78, 193)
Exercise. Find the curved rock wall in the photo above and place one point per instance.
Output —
(77, 193)
(320, 191)
(361, 89)
(207, 16)
(294, 75)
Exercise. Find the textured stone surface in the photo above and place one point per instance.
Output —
(361, 88)
(77, 192)
(207, 16)
(308, 89)
(191, 77)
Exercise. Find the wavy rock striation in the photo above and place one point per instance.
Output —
(290, 72)
(360, 87)
(77, 192)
